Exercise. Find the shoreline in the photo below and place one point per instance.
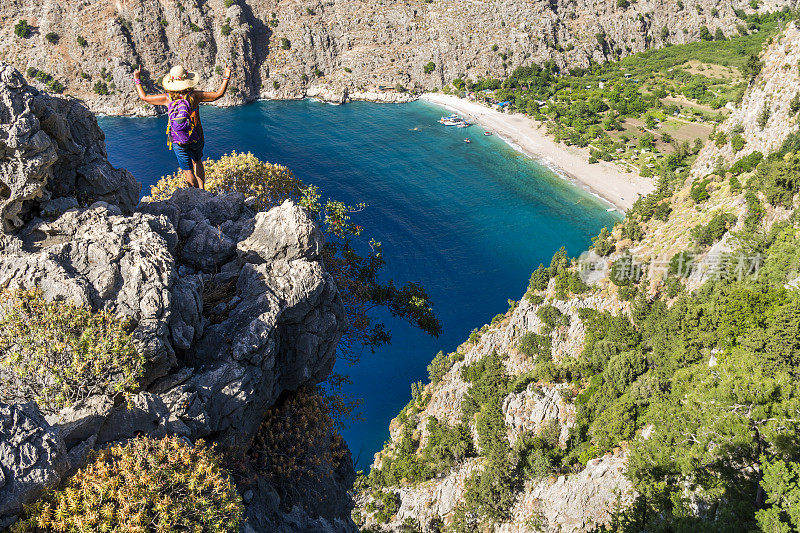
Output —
(605, 180)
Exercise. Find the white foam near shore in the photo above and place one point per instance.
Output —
(603, 179)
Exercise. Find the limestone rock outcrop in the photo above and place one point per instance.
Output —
(336, 49)
(232, 308)
(32, 458)
(42, 136)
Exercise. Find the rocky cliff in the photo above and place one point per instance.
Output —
(232, 308)
(333, 49)
(552, 322)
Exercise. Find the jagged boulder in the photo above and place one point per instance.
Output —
(32, 458)
(51, 147)
(232, 308)
(102, 259)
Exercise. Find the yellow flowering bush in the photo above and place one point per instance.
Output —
(144, 486)
(59, 354)
(238, 172)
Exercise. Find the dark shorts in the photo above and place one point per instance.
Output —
(186, 153)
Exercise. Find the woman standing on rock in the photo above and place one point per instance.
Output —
(184, 130)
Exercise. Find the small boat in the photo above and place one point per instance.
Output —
(464, 125)
(467, 141)
(453, 120)
(487, 133)
(610, 209)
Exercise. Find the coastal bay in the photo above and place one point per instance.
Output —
(470, 222)
(607, 180)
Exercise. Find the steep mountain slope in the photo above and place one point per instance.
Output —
(335, 48)
(648, 384)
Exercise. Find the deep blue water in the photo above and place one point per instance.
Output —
(468, 221)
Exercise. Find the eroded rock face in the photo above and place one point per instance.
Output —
(32, 458)
(231, 307)
(51, 147)
(339, 49)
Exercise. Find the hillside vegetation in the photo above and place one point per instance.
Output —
(652, 109)
(650, 385)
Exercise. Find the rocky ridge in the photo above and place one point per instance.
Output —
(232, 308)
(335, 49)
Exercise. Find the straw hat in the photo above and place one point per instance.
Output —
(179, 79)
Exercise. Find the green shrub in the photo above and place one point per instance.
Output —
(534, 345)
(763, 117)
(699, 190)
(60, 354)
(662, 211)
(22, 29)
(781, 483)
(746, 163)
(708, 234)
(226, 29)
(552, 317)
(194, 27)
(603, 243)
(681, 264)
(623, 369)
(438, 367)
(387, 506)
(538, 457)
(285, 44)
(269, 184)
(51, 37)
(447, 445)
(144, 485)
(82, 42)
(229, 3)
(489, 383)
(752, 68)
(632, 230)
(429, 67)
(613, 425)
(569, 282)
(737, 142)
(101, 88)
(540, 278)
(779, 179)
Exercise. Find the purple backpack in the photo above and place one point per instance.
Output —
(181, 123)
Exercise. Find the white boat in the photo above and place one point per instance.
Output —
(453, 120)
(464, 124)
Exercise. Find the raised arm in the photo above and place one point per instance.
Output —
(156, 99)
(206, 96)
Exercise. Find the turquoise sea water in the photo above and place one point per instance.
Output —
(469, 221)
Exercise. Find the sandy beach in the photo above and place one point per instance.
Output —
(605, 179)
